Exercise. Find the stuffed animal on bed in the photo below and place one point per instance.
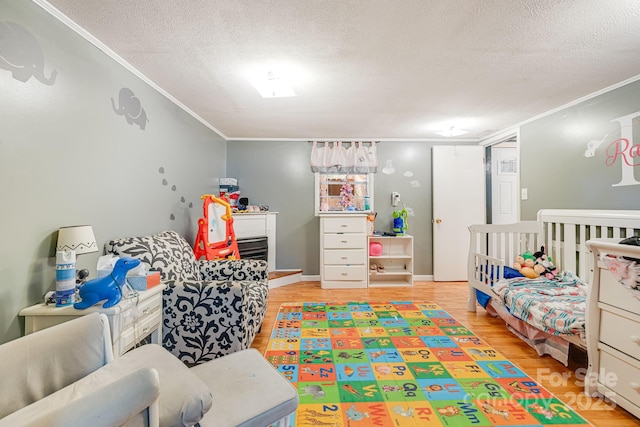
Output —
(527, 266)
(536, 265)
(548, 270)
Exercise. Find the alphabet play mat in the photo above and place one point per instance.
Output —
(401, 364)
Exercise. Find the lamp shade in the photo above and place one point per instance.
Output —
(79, 238)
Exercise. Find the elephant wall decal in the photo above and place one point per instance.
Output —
(21, 54)
(130, 107)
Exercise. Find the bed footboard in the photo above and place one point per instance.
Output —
(487, 271)
(494, 246)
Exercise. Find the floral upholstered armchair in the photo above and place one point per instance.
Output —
(210, 308)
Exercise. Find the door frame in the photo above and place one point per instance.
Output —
(488, 143)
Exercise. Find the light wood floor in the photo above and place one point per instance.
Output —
(452, 297)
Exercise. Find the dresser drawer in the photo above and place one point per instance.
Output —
(625, 382)
(350, 272)
(613, 293)
(344, 225)
(620, 333)
(344, 241)
(344, 257)
(137, 313)
(134, 332)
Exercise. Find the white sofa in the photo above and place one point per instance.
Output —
(66, 376)
(59, 377)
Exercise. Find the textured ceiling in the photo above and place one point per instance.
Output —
(379, 69)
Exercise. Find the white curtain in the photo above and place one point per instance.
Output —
(344, 157)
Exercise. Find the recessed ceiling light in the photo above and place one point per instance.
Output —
(273, 86)
(452, 131)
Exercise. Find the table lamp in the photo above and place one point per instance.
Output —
(81, 240)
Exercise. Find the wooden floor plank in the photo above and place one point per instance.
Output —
(452, 296)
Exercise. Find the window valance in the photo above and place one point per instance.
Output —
(336, 157)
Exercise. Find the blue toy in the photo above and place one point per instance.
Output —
(107, 287)
(400, 222)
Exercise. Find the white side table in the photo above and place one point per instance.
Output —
(132, 320)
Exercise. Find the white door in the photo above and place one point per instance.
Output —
(504, 185)
(458, 202)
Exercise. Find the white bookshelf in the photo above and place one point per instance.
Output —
(397, 260)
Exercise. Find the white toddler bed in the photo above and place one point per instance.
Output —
(564, 233)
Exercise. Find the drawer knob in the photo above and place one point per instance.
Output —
(635, 339)
(343, 257)
(635, 386)
(344, 274)
(146, 311)
(343, 241)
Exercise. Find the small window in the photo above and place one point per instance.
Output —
(344, 193)
(508, 167)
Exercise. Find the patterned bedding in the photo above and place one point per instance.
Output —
(554, 306)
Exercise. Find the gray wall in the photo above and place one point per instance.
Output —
(277, 173)
(554, 167)
(67, 158)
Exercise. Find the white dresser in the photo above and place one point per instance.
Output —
(613, 332)
(343, 254)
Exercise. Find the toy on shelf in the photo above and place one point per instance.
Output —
(400, 222)
(216, 238)
(107, 287)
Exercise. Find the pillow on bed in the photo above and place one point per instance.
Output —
(509, 273)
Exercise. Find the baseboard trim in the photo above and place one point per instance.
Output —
(289, 277)
(416, 277)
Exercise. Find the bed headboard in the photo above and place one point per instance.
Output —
(566, 231)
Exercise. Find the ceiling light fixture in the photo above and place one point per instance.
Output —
(273, 86)
(452, 131)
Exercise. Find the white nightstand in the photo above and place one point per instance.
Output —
(132, 320)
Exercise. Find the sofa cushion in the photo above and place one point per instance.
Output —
(167, 252)
(248, 391)
(184, 398)
(56, 357)
(81, 404)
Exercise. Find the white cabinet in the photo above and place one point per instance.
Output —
(394, 265)
(343, 253)
(258, 225)
(613, 331)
